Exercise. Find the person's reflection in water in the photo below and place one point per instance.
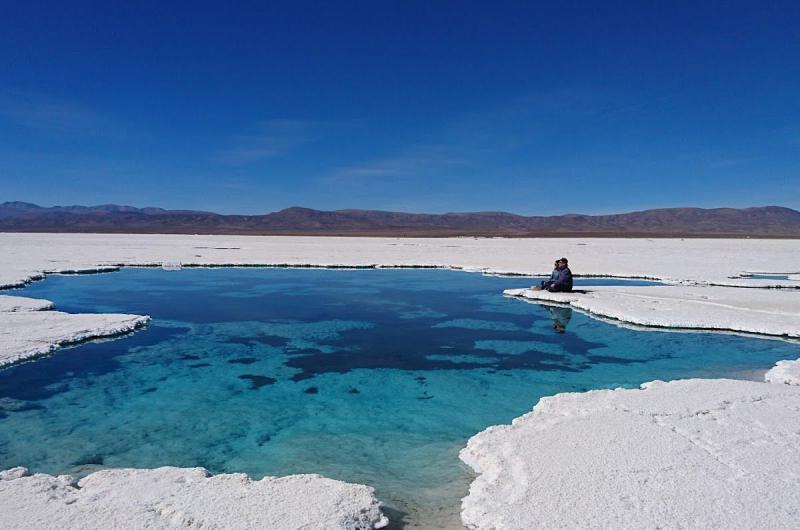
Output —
(561, 317)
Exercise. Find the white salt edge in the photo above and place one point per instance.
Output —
(29, 328)
(21, 303)
(170, 497)
(784, 372)
(762, 311)
(691, 453)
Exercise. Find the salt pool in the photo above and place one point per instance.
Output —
(371, 376)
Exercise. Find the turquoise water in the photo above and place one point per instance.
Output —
(376, 377)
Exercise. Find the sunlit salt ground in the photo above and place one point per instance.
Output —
(375, 377)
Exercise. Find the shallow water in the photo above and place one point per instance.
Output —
(769, 276)
(376, 377)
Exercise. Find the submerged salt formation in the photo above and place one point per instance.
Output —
(171, 497)
(692, 453)
(28, 328)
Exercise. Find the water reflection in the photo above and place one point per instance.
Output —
(561, 317)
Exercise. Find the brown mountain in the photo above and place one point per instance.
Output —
(767, 221)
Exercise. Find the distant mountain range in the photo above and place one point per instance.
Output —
(767, 221)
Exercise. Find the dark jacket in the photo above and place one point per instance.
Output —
(545, 284)
(563, 281)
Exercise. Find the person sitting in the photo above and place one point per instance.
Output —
(563, 281)
(544, 284)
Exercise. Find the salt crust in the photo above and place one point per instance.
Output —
(683, 454)
(28, 329)
(170, 497)
(767, 312)
(784, 372)
(20, 303)
(29, 256)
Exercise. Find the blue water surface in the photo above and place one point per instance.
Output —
(376, 376)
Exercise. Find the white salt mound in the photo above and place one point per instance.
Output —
(171, 497)
(785, 372)
(692, 453)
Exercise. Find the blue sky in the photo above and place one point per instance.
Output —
(426, 106)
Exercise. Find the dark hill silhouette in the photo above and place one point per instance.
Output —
(767, 221)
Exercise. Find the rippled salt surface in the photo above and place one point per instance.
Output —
(376, 377)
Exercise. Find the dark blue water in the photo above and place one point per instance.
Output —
(376, 377)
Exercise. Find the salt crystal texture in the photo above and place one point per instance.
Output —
(785, 372)
(684, 454)
(170, 497)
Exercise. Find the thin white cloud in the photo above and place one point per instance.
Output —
(466, 140)
(415, 160)
(44, 113)
(504, 139)
(270, 139)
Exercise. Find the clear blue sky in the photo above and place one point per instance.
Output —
(428, 105)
